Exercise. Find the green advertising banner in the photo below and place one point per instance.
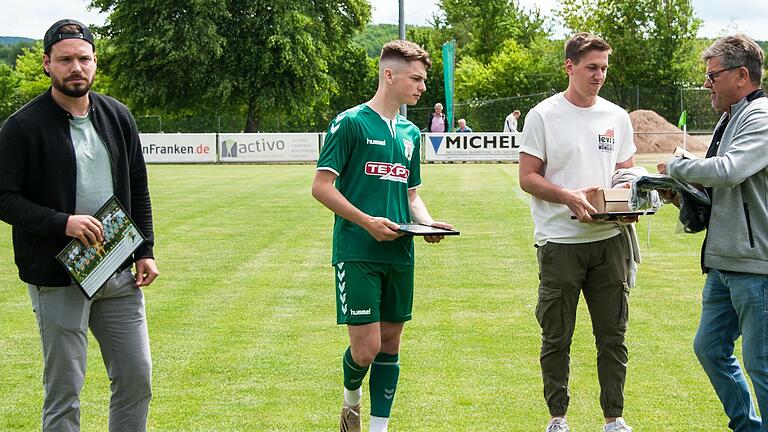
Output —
(449, 64)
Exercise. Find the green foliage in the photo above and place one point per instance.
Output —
(8, 95)
(29, 71)
(515, 70)
(480, 27)
(269, 57)
(501, 51)
(654, 45)
(9, 51)
(374, 36)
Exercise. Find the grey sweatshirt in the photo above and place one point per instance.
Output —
(737, 236)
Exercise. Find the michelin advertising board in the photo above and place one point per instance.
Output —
(472, 146)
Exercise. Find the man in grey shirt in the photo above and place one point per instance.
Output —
(735, 251)
(62, 156)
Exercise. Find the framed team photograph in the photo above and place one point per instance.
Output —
(91, 266)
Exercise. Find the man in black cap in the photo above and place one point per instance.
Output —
(62, 156)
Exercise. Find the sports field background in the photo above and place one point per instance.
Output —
(242, 320)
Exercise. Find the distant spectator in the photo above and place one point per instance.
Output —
(510, 123)
(463, 126)
(437, 122)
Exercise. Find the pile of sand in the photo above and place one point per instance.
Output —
(653, 134)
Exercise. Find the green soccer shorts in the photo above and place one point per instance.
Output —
(368, 292)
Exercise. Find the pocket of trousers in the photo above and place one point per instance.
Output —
(624, 315)
(549, 309)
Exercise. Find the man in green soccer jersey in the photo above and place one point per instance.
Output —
(372, 155)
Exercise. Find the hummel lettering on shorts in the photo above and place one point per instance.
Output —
(368, 292)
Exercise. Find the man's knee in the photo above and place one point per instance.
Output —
(135, 377)
(363, 355)
(704, 350)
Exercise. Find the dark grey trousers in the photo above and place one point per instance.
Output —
(598, 269)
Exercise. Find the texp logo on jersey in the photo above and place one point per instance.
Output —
(606, 141)
(387, 171)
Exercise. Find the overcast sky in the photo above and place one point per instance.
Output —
(30, 18)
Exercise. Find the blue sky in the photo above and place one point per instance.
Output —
(30, 18)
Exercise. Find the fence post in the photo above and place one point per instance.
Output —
(637, 97)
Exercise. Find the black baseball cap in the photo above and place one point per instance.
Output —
(54, 35)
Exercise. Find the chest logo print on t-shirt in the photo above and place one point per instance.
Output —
(387, 171)
(606, 141)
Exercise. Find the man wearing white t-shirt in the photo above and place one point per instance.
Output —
(572, 143)
(510, 123)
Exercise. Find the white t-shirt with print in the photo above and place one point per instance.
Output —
(580, 147)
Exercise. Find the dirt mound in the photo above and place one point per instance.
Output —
(653, 134)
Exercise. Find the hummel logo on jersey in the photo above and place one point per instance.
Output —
(387, 171)
(375, 142)
(337, 122)
(606, 141)
(342, 286)
(360, 311)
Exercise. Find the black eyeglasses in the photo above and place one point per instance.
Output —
(710, 76)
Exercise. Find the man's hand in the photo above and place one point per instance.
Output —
(85, 228)
(661, 167)
(576, 200)
(436, 239)
(146, 271)
(382, 229)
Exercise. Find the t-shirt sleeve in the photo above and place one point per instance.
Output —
(627, 146)
(534, 141)
(414, 177)
(338, 145)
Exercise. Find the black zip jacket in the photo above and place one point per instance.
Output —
(38, 180)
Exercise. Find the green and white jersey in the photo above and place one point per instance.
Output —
(376, 161)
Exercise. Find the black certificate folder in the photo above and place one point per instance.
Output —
(91, 266)
(416, 229)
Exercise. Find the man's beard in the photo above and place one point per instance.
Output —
(78, 91)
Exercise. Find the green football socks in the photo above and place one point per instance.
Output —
(353, 374)
(385, 371)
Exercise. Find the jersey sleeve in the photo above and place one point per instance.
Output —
(534, 140)
(339, 140)
(414, 178)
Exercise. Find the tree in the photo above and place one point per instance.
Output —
(481, 27)
(8, 94)
(265, 56)
(29, 73)
(501, 51)
(653, 41)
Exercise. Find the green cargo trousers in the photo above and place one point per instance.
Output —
(599, 269)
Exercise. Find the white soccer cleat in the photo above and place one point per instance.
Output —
(558, 424)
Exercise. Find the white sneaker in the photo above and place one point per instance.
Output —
(619, 426)
(558, 424)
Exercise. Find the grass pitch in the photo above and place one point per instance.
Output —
(242, 320)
